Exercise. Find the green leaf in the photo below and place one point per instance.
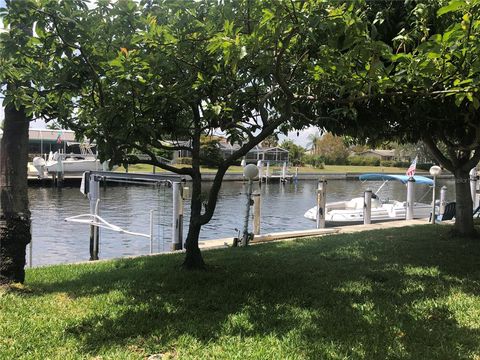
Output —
(454, 5)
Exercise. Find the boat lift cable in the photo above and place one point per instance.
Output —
(98, 221)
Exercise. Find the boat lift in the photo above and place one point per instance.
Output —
(90, 186)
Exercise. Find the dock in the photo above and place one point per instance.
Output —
(292, 235)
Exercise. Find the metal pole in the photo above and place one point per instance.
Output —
(176, 221)
(443, 200)
(433, 198)
(410, 198)
(267, 173)
(321, 199)
(284, 172)
(247, 214)
(93, 196)
(151, 231)
(256, 213)
(367, 207)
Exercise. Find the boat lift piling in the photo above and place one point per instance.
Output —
(91, 187)
(410, 198)
(321, 201)
(177, 221)
(367, 207)
(94, 197)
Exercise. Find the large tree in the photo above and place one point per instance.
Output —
(14, 209)
(407, 71)
(161, 75)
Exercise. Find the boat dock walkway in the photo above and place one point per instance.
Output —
(292, 235)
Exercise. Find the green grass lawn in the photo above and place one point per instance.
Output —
(329, 169)
(411, 293)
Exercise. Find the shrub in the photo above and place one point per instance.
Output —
(363, 161)
(314, 160)
(424, 166)
(184, 160)
(387, 163)
(401, 164)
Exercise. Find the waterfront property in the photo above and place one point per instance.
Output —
(409, 293)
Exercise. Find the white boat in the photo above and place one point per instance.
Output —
(350, 212)
(68, 163)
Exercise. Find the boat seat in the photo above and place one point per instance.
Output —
(357, 203)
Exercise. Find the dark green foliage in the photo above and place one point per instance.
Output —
(296, 153)
(315, 160)
(363, 161)
(210, 153)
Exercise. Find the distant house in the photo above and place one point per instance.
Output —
(379, 154)
(42, 141)
(273, 155)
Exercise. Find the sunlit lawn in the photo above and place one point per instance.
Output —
(411, 293)
(329, 169)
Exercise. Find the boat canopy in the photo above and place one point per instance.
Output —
(402, 178)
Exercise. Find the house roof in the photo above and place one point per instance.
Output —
(51, 135)
(379, 152)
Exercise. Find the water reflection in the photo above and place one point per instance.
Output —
(283, 206)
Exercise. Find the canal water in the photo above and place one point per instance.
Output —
(283, 205)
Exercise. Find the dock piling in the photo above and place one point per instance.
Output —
(367, 207)
(321, 200)
(410, 198)
(94, 195)
(443, 200)
(473, 186)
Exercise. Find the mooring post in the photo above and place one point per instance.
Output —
(177, 217)
(367, 207)
(296, 173)
(473, 186)
(93, 196)
(256, 213)
(410, 198)
(284, 172)
(443, 200)
(321, 200)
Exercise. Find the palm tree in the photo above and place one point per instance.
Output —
(313, 140)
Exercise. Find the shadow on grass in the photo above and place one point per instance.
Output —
(399, 293)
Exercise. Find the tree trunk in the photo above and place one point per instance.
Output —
(14, 210)
(193, 258)
(464, 205)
